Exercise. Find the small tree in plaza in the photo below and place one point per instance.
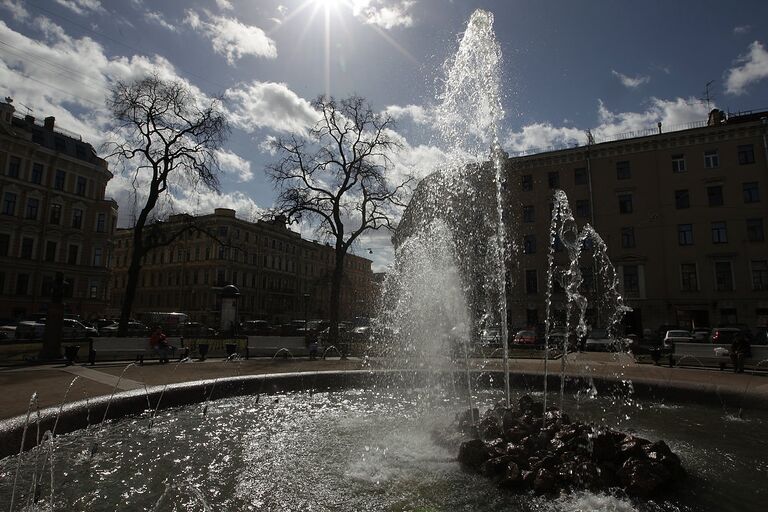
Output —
(337, 177)
(164, 134)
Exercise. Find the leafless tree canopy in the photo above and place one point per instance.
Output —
(162, 128)
(337, 174)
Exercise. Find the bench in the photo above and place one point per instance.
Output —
(713, 354)
(271, 345)
(133, 347)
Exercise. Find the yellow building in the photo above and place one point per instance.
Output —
(54, 218)
(280, 275)
(682, 212)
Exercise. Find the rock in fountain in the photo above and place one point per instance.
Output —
(527, 448)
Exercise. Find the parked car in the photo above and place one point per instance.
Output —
(598, 341)
(196, 330)
(676, 336)
(8, 332)
(724, 335)
(70, 330)
(30, 330)
(257, 328)
(73, 329)
(525, 337)
(701, 334)
(133, 329)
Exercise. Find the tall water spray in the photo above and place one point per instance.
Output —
(469, 114)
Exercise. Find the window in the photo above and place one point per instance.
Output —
(678, 163)
(751, 192)
(755, 230)
(5, 244)
(526, 182)
(101, 223)
(553, 179)
(528, 214)
(55, 217)
(33, 206)
(223, 230)
(80, 184)
(22, 284)
(580, 176)
(719, 233)
(760, 274)
(220, 278)
(72, 254)
(59, 179)
(582, 208)
(50, 251)
(631, 279)
(529, 244)
(689, 281)
(625, 203)
(97, 256)
(14, 166)
(36, 176)
(723, 276)
(715, 195)
(77, 218)
(746, 154)
(711, 159)
(27, 245)
(531, 282)
(9, 203)
(682, 199)
(622, 170)
(685, 234)
(627, 238)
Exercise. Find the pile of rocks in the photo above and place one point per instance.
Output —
(529, 448)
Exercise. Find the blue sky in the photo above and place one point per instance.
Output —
(608, 66)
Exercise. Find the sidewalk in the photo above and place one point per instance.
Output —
(51, 382)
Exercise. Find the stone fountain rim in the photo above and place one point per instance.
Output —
(74, 415)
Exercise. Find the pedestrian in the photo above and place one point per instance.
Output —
(740, 350)
(158, 344)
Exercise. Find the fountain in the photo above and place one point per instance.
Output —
(387, 438)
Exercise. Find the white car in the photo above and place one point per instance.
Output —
(677, 336)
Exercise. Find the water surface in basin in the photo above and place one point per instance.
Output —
(364, 450)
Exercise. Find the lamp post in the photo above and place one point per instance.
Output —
(306, 330)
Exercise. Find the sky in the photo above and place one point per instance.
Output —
(608, 66)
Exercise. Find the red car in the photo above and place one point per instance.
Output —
(525, 338)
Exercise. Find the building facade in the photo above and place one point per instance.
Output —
(281, 277)
(682, 213)
(54, 218)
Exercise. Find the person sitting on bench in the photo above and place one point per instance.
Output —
(158, 344)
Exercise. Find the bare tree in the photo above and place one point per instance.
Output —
(164, 135)
(336, 176)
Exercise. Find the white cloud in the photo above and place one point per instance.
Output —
(752, 67)
(17, 9)
(82, 7)
(232, 38)
(233, 163)
(387, 14)
(742, 29)
(632, 82)
(224, 5)
(417, 113)
(269, 105)
(157, 17)
(673, 114)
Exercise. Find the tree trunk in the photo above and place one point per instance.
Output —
(338, 274)
(133, 281)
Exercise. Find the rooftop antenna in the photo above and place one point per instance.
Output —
(707, 97)
(29, 110)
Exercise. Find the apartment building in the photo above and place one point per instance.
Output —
(683, 215)
(54, 218)
(280, 276)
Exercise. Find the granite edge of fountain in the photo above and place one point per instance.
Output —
(83, 413)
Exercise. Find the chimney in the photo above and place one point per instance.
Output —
(30, 119)
(49, 122)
